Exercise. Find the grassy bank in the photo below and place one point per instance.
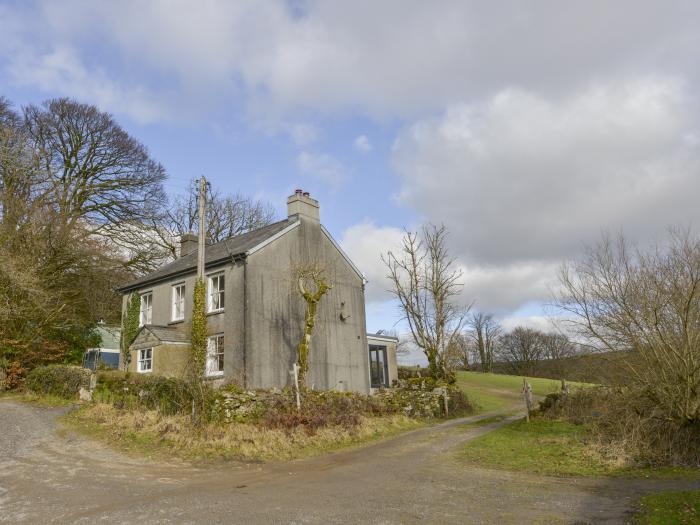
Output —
(554, 448)
(669, 508)
(148, 432)
(491, 392)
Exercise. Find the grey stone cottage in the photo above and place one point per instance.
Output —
(255, 312)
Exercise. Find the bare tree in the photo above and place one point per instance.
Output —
(95, 175)
(227, 216)
(522, 348)
(647, 304)
(484, 332)
(426, 283)
(458, 352)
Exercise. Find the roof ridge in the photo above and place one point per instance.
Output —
(218, 251)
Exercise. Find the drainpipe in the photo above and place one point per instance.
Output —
(245, 322)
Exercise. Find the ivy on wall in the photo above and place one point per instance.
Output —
(198, 336)
(130, 325)
(309, 276)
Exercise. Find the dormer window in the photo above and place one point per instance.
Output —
(216, 293)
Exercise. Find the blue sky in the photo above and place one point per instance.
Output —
(527, 128)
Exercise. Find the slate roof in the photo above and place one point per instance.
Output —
(215, 253)
(167, 334)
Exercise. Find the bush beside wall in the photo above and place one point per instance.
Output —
(58, 380)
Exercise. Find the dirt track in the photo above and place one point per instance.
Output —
(50, 476)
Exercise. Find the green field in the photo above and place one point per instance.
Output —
(670, 508)
(491, 392)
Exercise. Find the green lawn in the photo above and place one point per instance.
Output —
(553, 448)
(539, 447)
(670, 508)
(491, 392)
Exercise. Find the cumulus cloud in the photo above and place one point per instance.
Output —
(62, 70)
(520, 177)
(523, 181)
(365, 243)
(338, 56)
(362, 144)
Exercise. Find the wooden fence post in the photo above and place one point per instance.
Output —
(527, 394)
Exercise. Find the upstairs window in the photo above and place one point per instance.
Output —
(216, 293)
(146, 308)
(215, 355)
(145, 360)
(178, 310)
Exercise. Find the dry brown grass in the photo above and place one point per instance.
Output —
(149, 431)
(627, 429)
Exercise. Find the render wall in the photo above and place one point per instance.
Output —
(338, 356)
(229, 321)
(169, 359)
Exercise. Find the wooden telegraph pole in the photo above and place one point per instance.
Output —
(202, 227)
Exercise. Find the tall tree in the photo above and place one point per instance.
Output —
(522, 348)
(484, 332)
(426, 283)
(97, 176)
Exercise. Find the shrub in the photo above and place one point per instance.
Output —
(14, 376)
(321, 409)
(166, 394)
(58, 380)
(627, 428)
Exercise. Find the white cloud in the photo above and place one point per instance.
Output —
(362, 144)
(522, 182)
(322, 167)
(360, 56)
(302, 134)
(62, 71)
(365, 243)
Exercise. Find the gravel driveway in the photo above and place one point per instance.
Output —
(48, 475)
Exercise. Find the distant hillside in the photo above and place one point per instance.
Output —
(601, 368)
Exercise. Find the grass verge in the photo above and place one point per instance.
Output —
(47, 401)
(669, 508)
(554, 448)
(147, 432)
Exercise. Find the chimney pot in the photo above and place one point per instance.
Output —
(298, 192)
(306, 194)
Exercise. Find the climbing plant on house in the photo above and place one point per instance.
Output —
(313, 285)
(198, 336)
(130, 325)
(198, 352)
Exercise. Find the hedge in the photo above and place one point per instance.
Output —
(58, 380)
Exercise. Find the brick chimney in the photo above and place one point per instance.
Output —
(304, 206)
(188, 244)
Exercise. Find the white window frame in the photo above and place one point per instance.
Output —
(144, 355)
(146, 315)
(178, 302)
(220, 291)
(213, 355)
